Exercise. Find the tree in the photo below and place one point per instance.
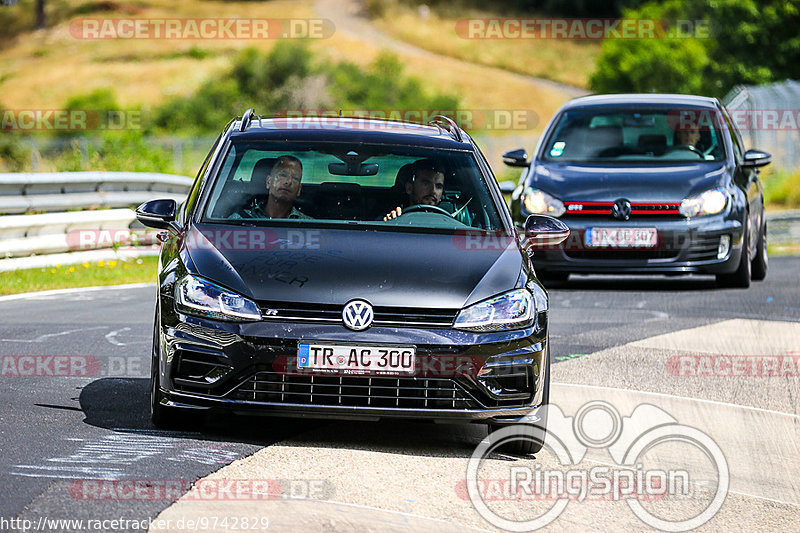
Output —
(749, 43)
(40, 20)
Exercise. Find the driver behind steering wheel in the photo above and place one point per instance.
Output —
(425, 187)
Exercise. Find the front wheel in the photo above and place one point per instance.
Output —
(544, 275)
(761, 260)
(534, 434)
(741, 278)
(163, 417)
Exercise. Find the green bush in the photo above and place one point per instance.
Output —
(115, 151)
(289, 78)
(749, 43)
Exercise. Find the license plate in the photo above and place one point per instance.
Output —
(621, 237)
(356, 359)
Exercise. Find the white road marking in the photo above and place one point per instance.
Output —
(42, 338)
(111, 336)
(700, 400)
(41, 294)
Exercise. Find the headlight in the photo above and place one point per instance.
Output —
(540, 203)
(196, 296)
(708, 203)
(512, 310)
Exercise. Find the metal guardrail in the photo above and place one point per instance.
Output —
(23, 235)
(26, 235)
(60, 191)
(783, 227)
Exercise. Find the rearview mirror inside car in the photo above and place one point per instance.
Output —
(353, 169)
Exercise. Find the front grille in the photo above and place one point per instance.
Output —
(351, 391)
(637, 208)
(332, 314)
(622, 254)
(698, 249)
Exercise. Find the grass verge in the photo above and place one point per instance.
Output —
(113, 272)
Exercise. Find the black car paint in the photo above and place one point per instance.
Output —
(341, 267)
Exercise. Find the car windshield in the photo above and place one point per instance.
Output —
(354, 184)
(662, 135)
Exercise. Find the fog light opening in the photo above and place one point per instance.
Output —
(724, 246)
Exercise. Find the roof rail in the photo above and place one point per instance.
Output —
(452, 128)
(246, 118)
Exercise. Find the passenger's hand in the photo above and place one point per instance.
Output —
(394, 213)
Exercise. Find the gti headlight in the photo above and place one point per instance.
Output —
(538, 202)
(512, 310)
(196, 296)
(708, 203)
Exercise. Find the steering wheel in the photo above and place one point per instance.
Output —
(428, 208)
(690, 148)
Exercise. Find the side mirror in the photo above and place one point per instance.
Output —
(507, 186)
(516, 158)
(756, 158)
(159, 214)
(542, 231)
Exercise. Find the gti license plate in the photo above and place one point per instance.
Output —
(356, 359)
(621, 237)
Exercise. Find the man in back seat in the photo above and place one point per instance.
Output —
(283, 184)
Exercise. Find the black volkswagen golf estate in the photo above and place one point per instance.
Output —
(349, 268)
(648, 183)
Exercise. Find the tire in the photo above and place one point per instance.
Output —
(761, 260)
(544, 275)
(741, 278)
(163, 417)
(536, 433)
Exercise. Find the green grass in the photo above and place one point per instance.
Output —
(781, 188)
(114, 272)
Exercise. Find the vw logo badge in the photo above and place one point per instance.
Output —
(357, 315)
(621, 210)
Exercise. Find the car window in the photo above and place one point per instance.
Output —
(650, 135)
(738, 147)
(356, 184)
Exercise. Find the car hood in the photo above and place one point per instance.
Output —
(574, 182)
(333, 266)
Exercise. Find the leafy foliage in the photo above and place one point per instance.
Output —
(288, 78)
(750, 42)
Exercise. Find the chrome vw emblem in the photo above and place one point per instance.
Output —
(357, 315)
(621, 210)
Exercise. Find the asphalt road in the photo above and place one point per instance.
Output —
(58, 433)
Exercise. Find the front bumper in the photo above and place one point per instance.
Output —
(251, 368)
(684, 246)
